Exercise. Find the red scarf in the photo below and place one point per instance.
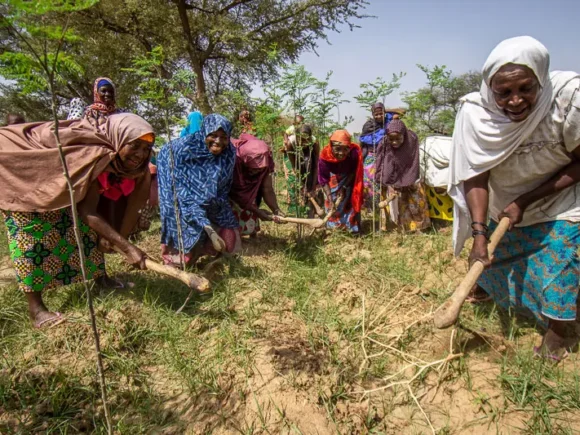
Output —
(115, 187)
(344, 137)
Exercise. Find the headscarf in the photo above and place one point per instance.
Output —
(398, 167)
(484, 136)
(31, 171)
(76, 109)
(98, 104)
(373, 131)
(326, 154)
(202, 180)
(253, 153)
(194, 121)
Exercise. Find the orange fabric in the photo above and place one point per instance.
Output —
(344, 137)
(149, 137)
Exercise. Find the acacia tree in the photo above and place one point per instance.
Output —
(223, 42)
(96, 53)
(159, 95)
(378, 90)
(433, 108)
(325, 101)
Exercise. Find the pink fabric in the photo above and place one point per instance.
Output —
(253, 153)
(115, 189)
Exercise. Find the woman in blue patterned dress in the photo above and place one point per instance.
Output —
(195, 175)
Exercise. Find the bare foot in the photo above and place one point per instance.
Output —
(47, 319)
(556, 342)
(105, 282)
(477, 295)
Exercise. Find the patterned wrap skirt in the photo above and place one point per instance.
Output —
(410, 211)
(535, 271)
(44, 250)
(249, 220)
(372, 191)
(345, 217)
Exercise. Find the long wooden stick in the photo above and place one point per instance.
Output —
(448, 312)
(314, 223)
(383, 204)
(316, 206)
(191, 280)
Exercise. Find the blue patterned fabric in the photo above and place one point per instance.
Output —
(345, 217)
(202, 181)
(373, 139)
(194, 121)
(536, 271)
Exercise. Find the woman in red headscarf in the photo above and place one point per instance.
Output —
(398, 174)
(252, 183)
(340, 172)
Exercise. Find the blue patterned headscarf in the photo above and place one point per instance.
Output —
(203, 182)
(194, 121)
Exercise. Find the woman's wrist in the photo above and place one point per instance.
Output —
(523, 202)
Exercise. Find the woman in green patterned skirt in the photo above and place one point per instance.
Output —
(108, 170)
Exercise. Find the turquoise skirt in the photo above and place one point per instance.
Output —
(535, 271)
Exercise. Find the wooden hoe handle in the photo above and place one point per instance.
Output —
(191, 280)
(448, 312)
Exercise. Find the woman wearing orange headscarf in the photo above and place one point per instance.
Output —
(340, 171)
(109, 174)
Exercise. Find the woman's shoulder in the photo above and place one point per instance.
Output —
(568, 94)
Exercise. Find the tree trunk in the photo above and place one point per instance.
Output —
(202, 101)
(196, 59)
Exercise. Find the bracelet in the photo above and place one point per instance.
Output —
(475, 233)
(485, 227)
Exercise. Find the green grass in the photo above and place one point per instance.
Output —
(278, 347)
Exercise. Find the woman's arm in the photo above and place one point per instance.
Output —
(568, 176)
(135, 202)
(87, 209)
(477, 195)
(269, 194)
(315, 158)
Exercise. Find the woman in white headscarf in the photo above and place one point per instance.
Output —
(516, 154)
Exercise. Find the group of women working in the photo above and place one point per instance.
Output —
(515, 154)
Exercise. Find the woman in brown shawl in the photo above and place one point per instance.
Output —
(110, 162)
(398, 174)
(253, 182)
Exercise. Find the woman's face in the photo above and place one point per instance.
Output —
(135, 154)
(305, 138)
(339, 150)
(515, 90)
(217, 141)
(379, 115)
(395, 139)
(107, 94)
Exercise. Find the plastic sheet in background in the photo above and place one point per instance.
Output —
(434, 158)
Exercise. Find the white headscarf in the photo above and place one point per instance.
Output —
(484, 136)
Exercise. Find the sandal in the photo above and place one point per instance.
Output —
(538, 353)
(50, 322)
(114, 284)
(478, 296)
